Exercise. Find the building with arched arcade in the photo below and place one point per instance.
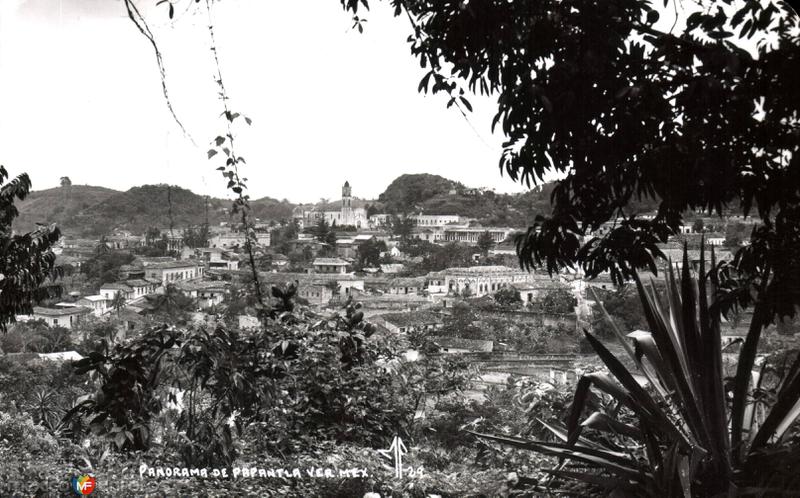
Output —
(476, 280)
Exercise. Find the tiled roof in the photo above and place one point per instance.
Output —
(94, 298)
(138, 282)
(74, 310)
(412, 318)
(190, 285)
(330, 262)
(166, 265)
(116, 286)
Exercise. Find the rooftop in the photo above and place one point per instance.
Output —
(330, 262)
(412, 318)
(116, 286)
(94, 298)
(190, 285)
(66, 311)
(480, 270)
(138, 282)
(170, 264)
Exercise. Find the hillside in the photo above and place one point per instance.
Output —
(433, 194)
(59, 205)
(149, 206)
(407, 192)
(268, 208)
(93, 211)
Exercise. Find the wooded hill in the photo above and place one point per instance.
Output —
(92, 211)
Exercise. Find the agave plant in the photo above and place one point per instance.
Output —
(675, 425)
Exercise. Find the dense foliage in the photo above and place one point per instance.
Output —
(407, 192)
(624, 308)
(624, 110)
(27, 266)
(369, 253)
(429, 257)
(671, 435)
(104, 267)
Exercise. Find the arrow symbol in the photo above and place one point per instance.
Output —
(395, 453)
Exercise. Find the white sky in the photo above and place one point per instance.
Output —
(80, 96)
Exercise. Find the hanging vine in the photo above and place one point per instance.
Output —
(226, 145)
(136, 18)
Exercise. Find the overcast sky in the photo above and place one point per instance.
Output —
(80, 96)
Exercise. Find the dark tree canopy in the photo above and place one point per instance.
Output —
(485, 242)
(27, 262)
(625, 109)
(369, 253)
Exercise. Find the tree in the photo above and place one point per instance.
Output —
(508, 297)
(624, 308)
(195, 237)
(333, 286)
(151, 236)
(736, 234)
(369, 252)
(172, 305)
(118, 302)
(372, 210)
(65, 181)
(623, 111)
(559, 300)
(485, 242)
(698, 226)
(101, 248)
(104, 268)
(461, 323)
(283, 235)
(401, 227)
(322, 231)
(27, 266)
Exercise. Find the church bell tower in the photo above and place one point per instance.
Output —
(347, 204)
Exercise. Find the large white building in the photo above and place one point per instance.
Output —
(347, 215)
(476, 280)
(419, 220)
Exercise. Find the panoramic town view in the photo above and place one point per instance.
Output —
(551, 250)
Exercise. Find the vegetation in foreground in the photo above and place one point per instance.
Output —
(304, 391)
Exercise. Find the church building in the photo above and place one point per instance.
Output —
(347, 215)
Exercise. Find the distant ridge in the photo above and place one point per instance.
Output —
(93, 211)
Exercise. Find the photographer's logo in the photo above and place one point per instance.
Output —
(395, 454)
(83, 484)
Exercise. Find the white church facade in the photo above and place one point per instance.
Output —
(347, 215)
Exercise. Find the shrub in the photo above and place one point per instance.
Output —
(19, 433)
(689, 430)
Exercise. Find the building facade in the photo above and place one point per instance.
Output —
(476, 281)
(172, 271)
(347, 215)
(60, 317)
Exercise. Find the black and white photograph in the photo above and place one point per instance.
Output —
(399, 248)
